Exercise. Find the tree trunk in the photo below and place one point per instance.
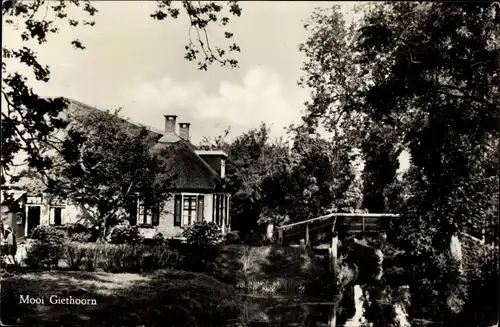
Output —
(102, 231)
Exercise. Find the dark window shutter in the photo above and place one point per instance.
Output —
(57, 216)
(132, 209)
(217, 209)
(155, 219)
(177, 210)
(229, 211)
(213, 208)
(221, 209)
(201, 207)
(226, 210)
(147, 211)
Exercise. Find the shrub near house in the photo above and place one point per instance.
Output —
(47, 247)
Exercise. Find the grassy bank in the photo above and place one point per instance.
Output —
(165, 298)
(271, 270)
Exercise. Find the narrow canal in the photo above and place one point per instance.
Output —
(371, 306)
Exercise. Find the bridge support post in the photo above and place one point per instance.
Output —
(332, 322)
(334, 254)
(307, 241)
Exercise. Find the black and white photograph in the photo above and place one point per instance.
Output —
(249, 163)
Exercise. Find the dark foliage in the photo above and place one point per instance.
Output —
(203, 235)
(47, 247)
(30, 121)
(125, 234)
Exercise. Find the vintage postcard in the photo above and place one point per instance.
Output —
(261, 163)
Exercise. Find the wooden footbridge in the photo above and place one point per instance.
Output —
(322, 233)
(320, 229)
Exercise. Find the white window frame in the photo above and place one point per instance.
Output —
(185, 217)
(19, 218)
(142, 212)
(34, 200)
(195, 218)
(52, 217)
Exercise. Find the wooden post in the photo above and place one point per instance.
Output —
(307, 235)
(363, 224)
(280, 236)
(333, 255)
(333, 318)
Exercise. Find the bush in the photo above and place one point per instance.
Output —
(76, 228)
(158, 239)
(74, 254)
(122, 234)
(253, 239)
(117, 258)
(228, 266)
(191, 300)
(203, 235)
(79, 237)
(92, 255)
(481, 270)
(75, 232)
(47, 248)
(233, 237)
(78, 233)
(201, 248)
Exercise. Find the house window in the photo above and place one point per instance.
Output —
(19, 218)
(221, 209)
(188, 208)
(55, 216)
(148, 214)
(132, 209)
(34, 200)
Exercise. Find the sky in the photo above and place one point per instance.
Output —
(137, 63)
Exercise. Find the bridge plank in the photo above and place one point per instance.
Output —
(335, 215)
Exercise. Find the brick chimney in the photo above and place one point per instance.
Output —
(184, 130)
(170, 124)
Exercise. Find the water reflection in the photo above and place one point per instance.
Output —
(375, 306)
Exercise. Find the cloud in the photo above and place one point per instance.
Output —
(261, 95)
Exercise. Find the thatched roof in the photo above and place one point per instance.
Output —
(190, 170)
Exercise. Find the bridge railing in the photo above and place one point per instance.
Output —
(369, 221)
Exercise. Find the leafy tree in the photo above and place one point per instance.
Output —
(424, 78)
(275, 181)
(252, 156)
(385, 85)
(333, 74)
(457, 106)
(381, 158)
(316, 179)
(29, 122)
(103, 162)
